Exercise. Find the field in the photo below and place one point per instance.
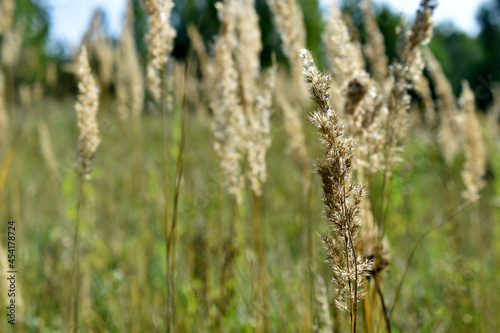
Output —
(143, 228)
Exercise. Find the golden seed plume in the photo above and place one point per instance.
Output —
(86, 109)
(47, 148)
(100, 46)
(247, 54)
(405, 71)
(289, 21)
(12, 45)
(229, 124)
(427, 102)
(198, 46)
(375, 47)
(448, 131)
(129, 78)
(475, 153)
(259, 140)
(344, 55)
(6, 15)
(293, 126)
(342, 196)
(160, 40)
(324, 322)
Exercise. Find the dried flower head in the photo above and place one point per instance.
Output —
(160, 39)
(86, 109)
(342, 196)
(259, 140)
(344, 55)
(293, 126)
(6, 15)
(229, 123)
(405, 71)
(448, 131)
(375, 47)
(129, 78)
(12, 45)
(475, 153)
(289, 23)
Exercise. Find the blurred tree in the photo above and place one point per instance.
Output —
(23, 45)
(202, 14)
(488, 18)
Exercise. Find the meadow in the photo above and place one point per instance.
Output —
(209, 205)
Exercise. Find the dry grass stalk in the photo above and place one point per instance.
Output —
(342, 196)
(105, 54)
(427, 102)
(86, 109)
(448, 130)
(375, 47)
(259, 141)
(199, 46)
(229, 120)
(242, 110)
(324, 323)
(129, 79)
(289, 22)
(47, 148)
(160, 38)
(100, 45)
(406, 70)
(6, 15)
(362, 105)
(475, 153)
(247, 54)
(88, 142)
(344, 55)
(293, 126)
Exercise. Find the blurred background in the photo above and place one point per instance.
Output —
(466, 37)
(450, 272)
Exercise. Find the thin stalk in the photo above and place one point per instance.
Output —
(178, 177)
(384, 308)
(355, 305)
(348, 242)
(226, 266)
(310, 244)
(170, 296)
(263, 279)
(75, 288)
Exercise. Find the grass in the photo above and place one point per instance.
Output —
(450, 286)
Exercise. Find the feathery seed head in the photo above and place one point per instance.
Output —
(86, 109)
(342, 196)
(475, 154)
(160, 39)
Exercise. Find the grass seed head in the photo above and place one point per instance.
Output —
(86, 109)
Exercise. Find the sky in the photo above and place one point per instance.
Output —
(70, 18)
